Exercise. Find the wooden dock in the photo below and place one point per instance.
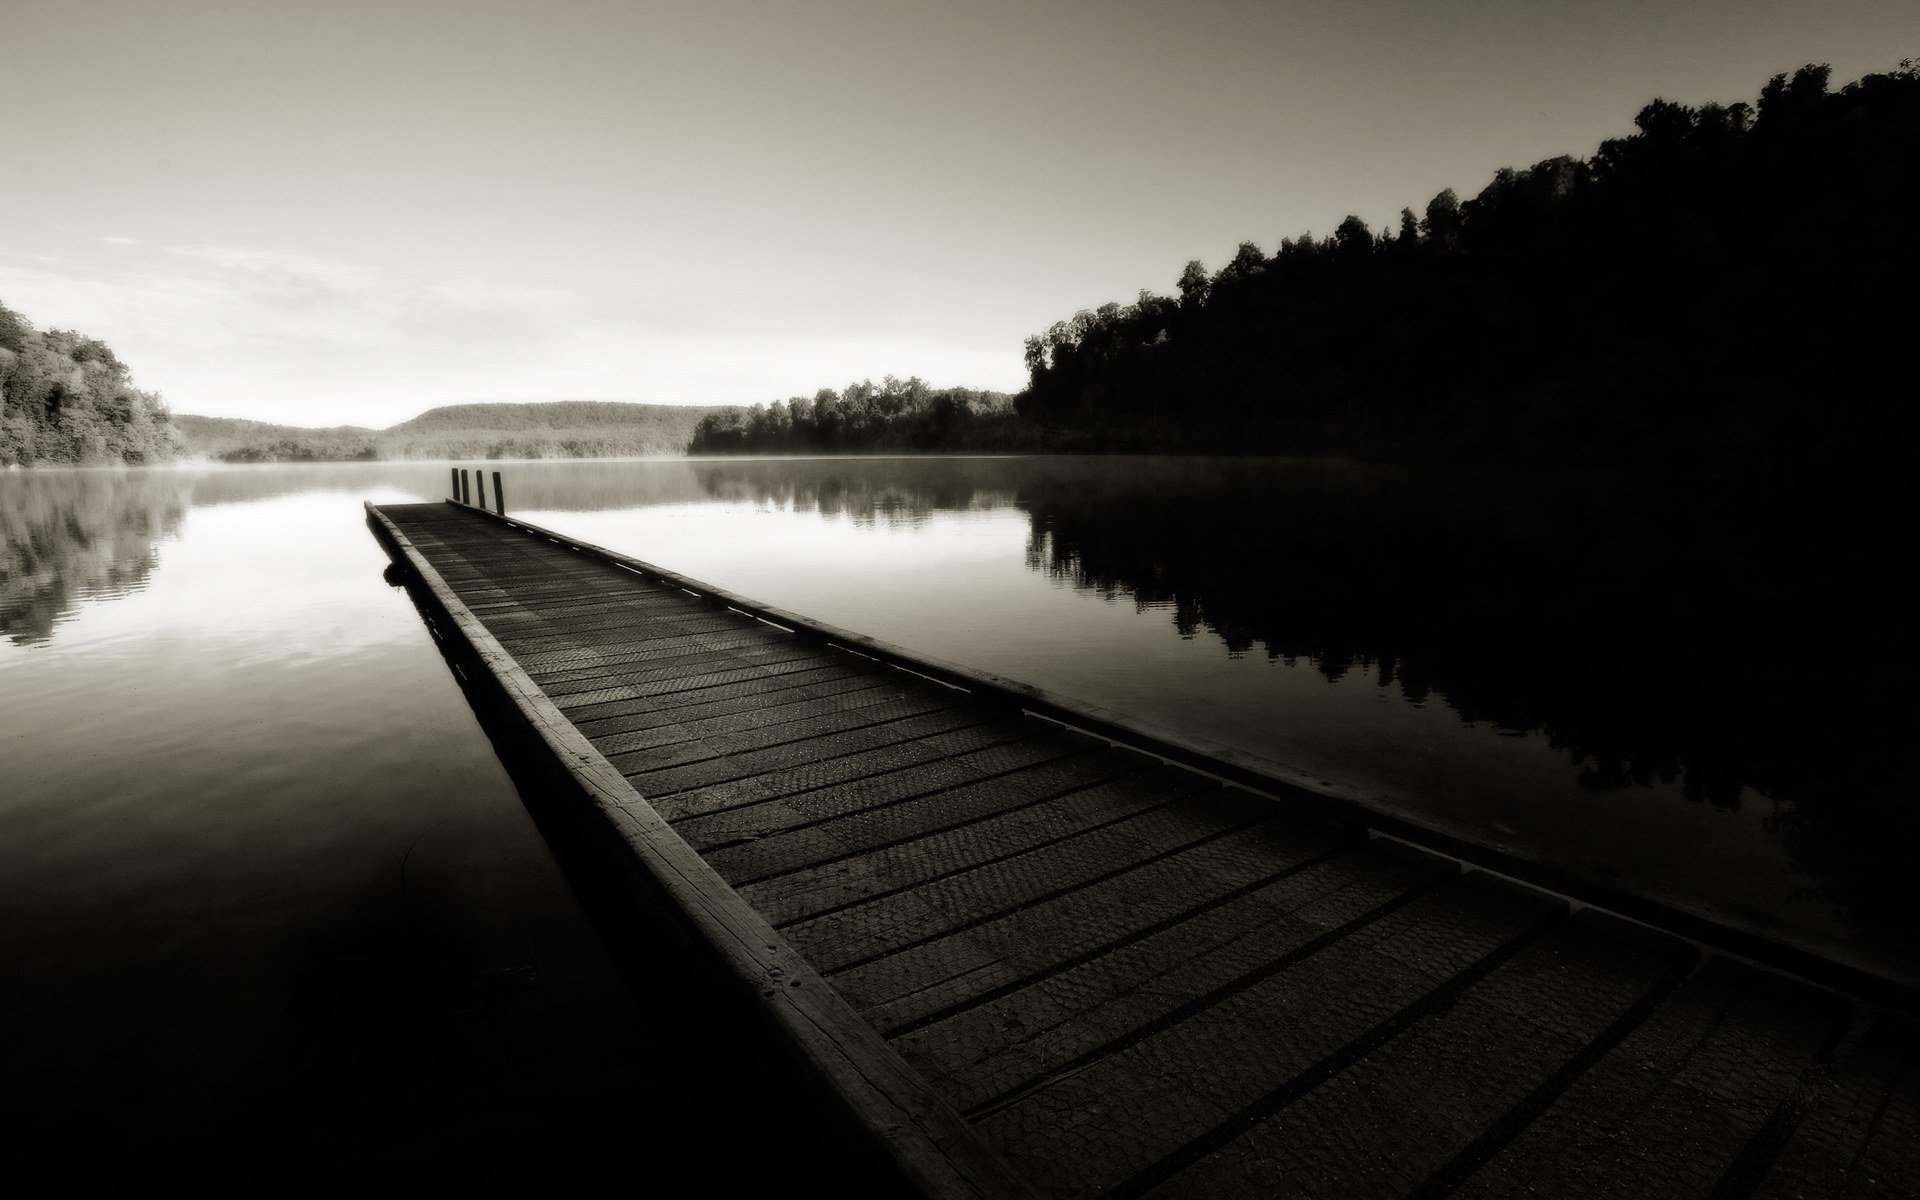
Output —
(1029, 948)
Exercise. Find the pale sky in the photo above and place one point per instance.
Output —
(349, 212)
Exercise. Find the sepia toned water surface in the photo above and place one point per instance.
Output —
(244, 805)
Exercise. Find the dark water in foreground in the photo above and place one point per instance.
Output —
(254, 850)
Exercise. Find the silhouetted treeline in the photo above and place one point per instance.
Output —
(898, 414)
(65, 398)
(1728, 287)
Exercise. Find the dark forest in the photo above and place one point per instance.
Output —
(1729, 288)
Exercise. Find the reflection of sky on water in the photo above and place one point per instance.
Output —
(262, 873)
(262, 657)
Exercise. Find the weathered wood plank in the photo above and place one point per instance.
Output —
(1396, 1118)
(933, 1147)
(797, 754)
(1013, 1042)
(1875, 975)
(587, 664)
(1157, 1095)
(727, 677)
(946, 975)
(872, 829)
(1671, 1110)
(698, 661)
(1130, 977)
(1116, 788)
(638, 716)
(832, 772)
(1860, 1135)
(984, 757)
(845, 937)
(860, 696)
(737, 744)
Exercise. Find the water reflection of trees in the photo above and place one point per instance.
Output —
(68, 536)
(870, 491)
(1652, 633)
(570, 486)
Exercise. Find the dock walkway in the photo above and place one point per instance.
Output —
(1034, 959)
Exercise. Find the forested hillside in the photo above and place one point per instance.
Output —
(65, 398)
(897, 414)
(1730, 286)
(232, 439)
(558, 429)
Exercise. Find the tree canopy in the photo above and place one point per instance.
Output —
(67, 398)
(1727, 286)
(897, 414)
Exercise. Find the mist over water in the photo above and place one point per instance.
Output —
(244, 795)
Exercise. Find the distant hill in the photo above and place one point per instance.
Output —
(235, 440)
(553, 429)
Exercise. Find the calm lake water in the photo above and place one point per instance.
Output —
(256, 846)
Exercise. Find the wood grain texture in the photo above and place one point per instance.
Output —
(931, 1144)
(1776, 945)
(1028, 944)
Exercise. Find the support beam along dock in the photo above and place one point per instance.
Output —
(1025, 948)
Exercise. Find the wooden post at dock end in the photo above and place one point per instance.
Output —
(480, 486)
(466, 487)
(454, 473)
(499, 497)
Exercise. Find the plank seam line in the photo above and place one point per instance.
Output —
(1792, 957)
(684, 732)
(976, 921)
(573, 644)
(591, 640)
(682, 737)
(664, 671)
(1008, 856)
(1910, 1069)
(985, 719)
(947, 706)
(873, 1086)
(650, 704)
(1060, 793)
(750, 701)
(1757, 1154)
(571, 607)
(1120, 943)
(997, 861)
(814, 822)
(1755, 1158)
(606, 625)
(1515, 1121)
(785, 796)
(700, 682)
(1199, 1004)
(1430, 1004)
(573, 672)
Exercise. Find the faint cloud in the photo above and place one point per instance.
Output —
(351, 295)
(242, 330)
(116, 240)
